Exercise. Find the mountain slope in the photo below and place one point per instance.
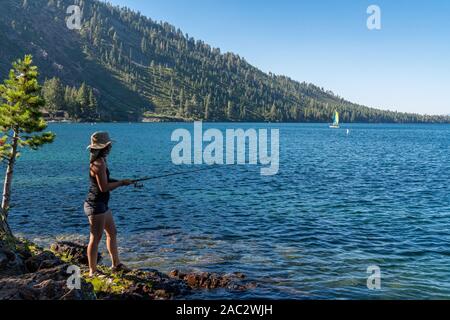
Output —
(137, 65)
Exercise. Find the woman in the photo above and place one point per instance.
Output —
(96, 204)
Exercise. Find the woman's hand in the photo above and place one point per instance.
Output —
(126, 182)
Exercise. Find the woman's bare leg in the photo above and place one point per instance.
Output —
(111, 239)
(97, 226)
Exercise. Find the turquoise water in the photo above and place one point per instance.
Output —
(340, 203)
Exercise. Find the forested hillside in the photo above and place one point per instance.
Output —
(131, 65)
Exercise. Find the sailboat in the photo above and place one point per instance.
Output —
(335, 124)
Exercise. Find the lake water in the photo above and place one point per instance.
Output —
(340, 203)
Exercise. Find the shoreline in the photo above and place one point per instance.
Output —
(247, 122)
(29, 272)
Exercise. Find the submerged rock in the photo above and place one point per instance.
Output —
(206, 280)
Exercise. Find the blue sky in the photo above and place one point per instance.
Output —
(405, 66)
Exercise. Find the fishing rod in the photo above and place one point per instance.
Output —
(137, 182)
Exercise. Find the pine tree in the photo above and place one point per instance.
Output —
(193, 105)
(273, 113)
(69, 101)
(181, 106)
(93, 106)
(21, 123)
(82, 96)
(83, 99)
(243, 113)
(230, 111)
(53, 94)
(207, 106)
(144, 45)
(115, 37)
(187, 108)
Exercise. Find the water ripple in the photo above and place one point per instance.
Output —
(379, 196)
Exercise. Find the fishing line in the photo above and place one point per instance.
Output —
(137, 182)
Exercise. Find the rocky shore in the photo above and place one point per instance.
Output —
(151, 117)
(28, 272)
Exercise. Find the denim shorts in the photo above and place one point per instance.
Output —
(95, 209)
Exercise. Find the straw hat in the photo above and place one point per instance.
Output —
(100, 140)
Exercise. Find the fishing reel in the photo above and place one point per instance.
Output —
(138, 185)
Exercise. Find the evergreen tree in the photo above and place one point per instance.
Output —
(83, 99)
(207, 106)
(188, 108)
(273, 113)
(230, 111)
(69, 101)
(21, 123)
(144, 45)
(93, 106)
(193, 105)
(182, 102)
(115, 38)
(243, 113)
(53, 94)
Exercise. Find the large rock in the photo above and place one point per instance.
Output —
(43, 260)
(46, 284)
(6, 256)
(149, 285)
(76, 251)
(35, 274)
(11, 263)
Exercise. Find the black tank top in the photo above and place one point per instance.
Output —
(95, 196)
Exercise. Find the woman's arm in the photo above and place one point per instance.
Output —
(99, 169)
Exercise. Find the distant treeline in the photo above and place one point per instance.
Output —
(138, 65)
(80, 103)
(188, 78)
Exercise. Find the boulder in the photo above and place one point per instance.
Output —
(10, 262)
(75, 251)
(47, 284)
(152, 284)
(44, 260)
(3, 259)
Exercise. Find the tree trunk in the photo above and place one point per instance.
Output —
(4, 227)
